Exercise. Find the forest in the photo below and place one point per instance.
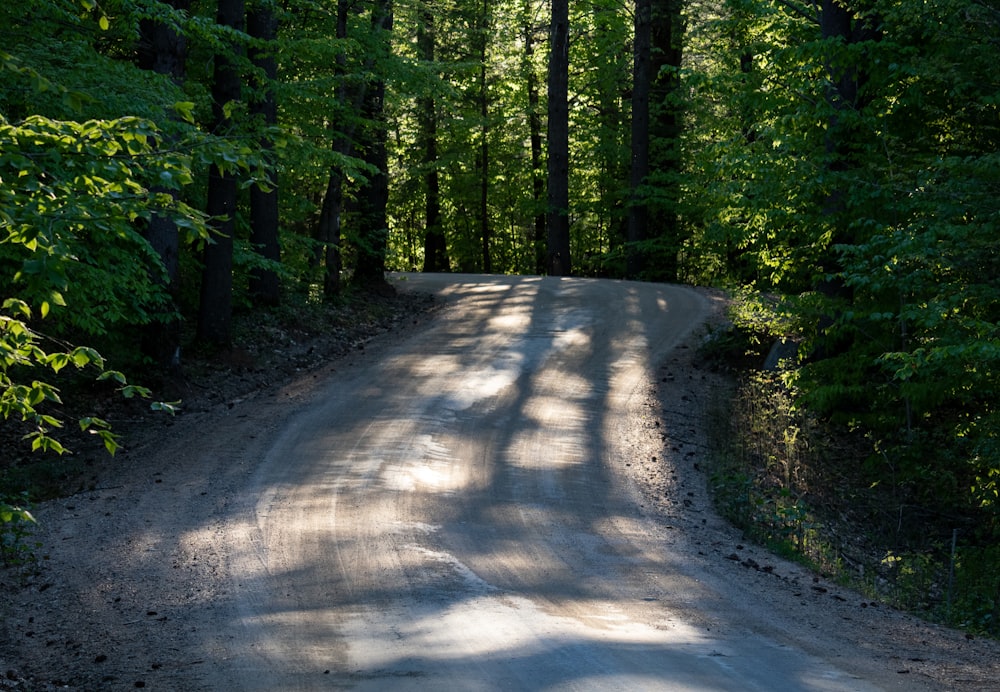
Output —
(833, 164)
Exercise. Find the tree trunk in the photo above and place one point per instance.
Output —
(558, 260)
(638, 215)
(160, 48)
(435, 247)
(328, 231)
(655, 135)
(262, 24)
(484, 144)
(373, 198)
(666, 36)
(163, 50)
(535, 138)
(216, 305)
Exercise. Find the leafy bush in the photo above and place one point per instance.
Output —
(817, 491)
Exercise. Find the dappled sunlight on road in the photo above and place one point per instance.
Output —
(494, 627)
(455, 517)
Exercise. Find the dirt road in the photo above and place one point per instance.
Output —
(489, 504)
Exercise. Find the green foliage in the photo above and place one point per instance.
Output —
(16, 525)
(83, 168)
(793, 483)
(26, 399)
(72, 190)
(762, 470)
(874, 210)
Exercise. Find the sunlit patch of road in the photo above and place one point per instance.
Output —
(454, 516)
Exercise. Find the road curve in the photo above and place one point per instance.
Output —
(455, 516)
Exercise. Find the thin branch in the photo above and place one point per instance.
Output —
(800, 11)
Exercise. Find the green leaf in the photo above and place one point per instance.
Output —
(110, 440)
(17, 306)
(171, 407)
(89, 422)
(112, 375)
(58, 361)
(130, 391)
(44, 443)
(83, 356)
(186, 110)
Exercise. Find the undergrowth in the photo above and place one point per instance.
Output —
(806, 489)
(17, 550)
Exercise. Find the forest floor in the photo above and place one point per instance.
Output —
(49, 640)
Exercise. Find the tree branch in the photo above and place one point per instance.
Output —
(800, 11)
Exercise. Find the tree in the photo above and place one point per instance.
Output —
(483, 164)
(435, 246)
(330, 221)
(163, 49)
(373, 226)
(559, 261)
(538, 237)
(655, 170)
(216, 304)
(262, 26)
(638, 216)
(667, 32)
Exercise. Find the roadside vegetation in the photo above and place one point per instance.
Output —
(830, 495)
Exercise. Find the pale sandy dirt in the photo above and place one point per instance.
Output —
(215, 555)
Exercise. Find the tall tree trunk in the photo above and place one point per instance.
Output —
(638, 215)
(484, 144)
(163, 50)
(373, 199)
(655, 135)
(329, 227)
(215, 310)
(666, 38)
(535, 139)
(435, 247)
(558, 260)
(328, 230)
(262, 24)
(614, 168)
